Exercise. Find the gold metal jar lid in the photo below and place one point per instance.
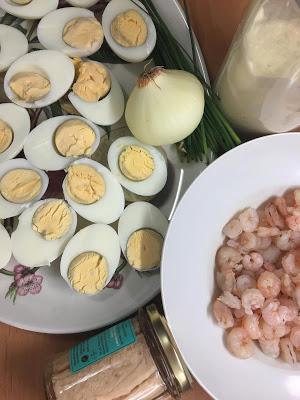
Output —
(164, 351)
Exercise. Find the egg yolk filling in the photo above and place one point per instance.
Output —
(144, 248)
(20, 185)
(52, 219)
(74, 138)
(88, 272)
(129, 29)
(6, 136)
(92, 80)
(83, 32)
(30, 86)
(84, 184)
(136, 163)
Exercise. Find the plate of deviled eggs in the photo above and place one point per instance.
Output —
(84, 204)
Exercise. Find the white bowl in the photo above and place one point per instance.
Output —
(243, 177)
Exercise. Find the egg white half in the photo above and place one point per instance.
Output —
(30, 248)
(106, 111)
(36, 9)
(149, 186)
(132, 54)
(53, 65)
(137, 216)
(83, 3)
(51, 27)
(18, 119)
(106, 210)
(39, 146)
(5, 247)
(13, 45)
(99, 238)
(8, 209)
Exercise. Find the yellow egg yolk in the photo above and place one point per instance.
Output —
(52, 219)
(144, 248)
(20, 185)
(129, 29)
(84, 184)
(83, 32)
(29, 86)
(88, 272)
(92, 80)
(6, 136)
(74, 138)
(136, 163)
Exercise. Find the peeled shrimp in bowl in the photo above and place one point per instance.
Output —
(235, 236)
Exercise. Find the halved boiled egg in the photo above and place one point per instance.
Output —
(105, 109)
(83, 3)
(21, 184)
(93, 192)
(5, 247)
(28, 9)
(58, 141)
(140, 168)
(129, 30)
(73, 31)
(13, 45)
(14, 127)
(39, 78)
(142, 229)
(42, 233)
(90, 259)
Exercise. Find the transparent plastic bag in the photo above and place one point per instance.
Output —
(129, 374)
(259, 83)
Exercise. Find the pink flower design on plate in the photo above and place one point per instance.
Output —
(27, 281)
(116, 282)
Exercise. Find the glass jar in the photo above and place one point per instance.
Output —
(136, 359)
(259, 83)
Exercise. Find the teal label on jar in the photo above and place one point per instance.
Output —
(101, 345)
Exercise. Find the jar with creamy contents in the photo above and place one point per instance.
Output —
(259, 83)
(134, 360)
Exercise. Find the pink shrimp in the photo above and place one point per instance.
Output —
(233, 229)
(239, 343)
(273, 332)
(287, 286)
(287, 351)
(291, 305)
(251, 324)
(252, 299)
(244, 282)
(253, 261)
(296, 295)
(275, 314)
(230, 300)
(295, 337)
(249, 220)
(269, 266)
(281, 205)
(291, 263)
(271, 254)
(227, 258)
(223, 315)
(270, 347)
(263, 231)
(248, 241)
(273, 216)
(226, 280)
(296, 279)
(293, 222)
(269, 284)
(297, 196)
(284, 241)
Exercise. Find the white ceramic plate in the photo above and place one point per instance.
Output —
(56, 309)
(245, 176)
